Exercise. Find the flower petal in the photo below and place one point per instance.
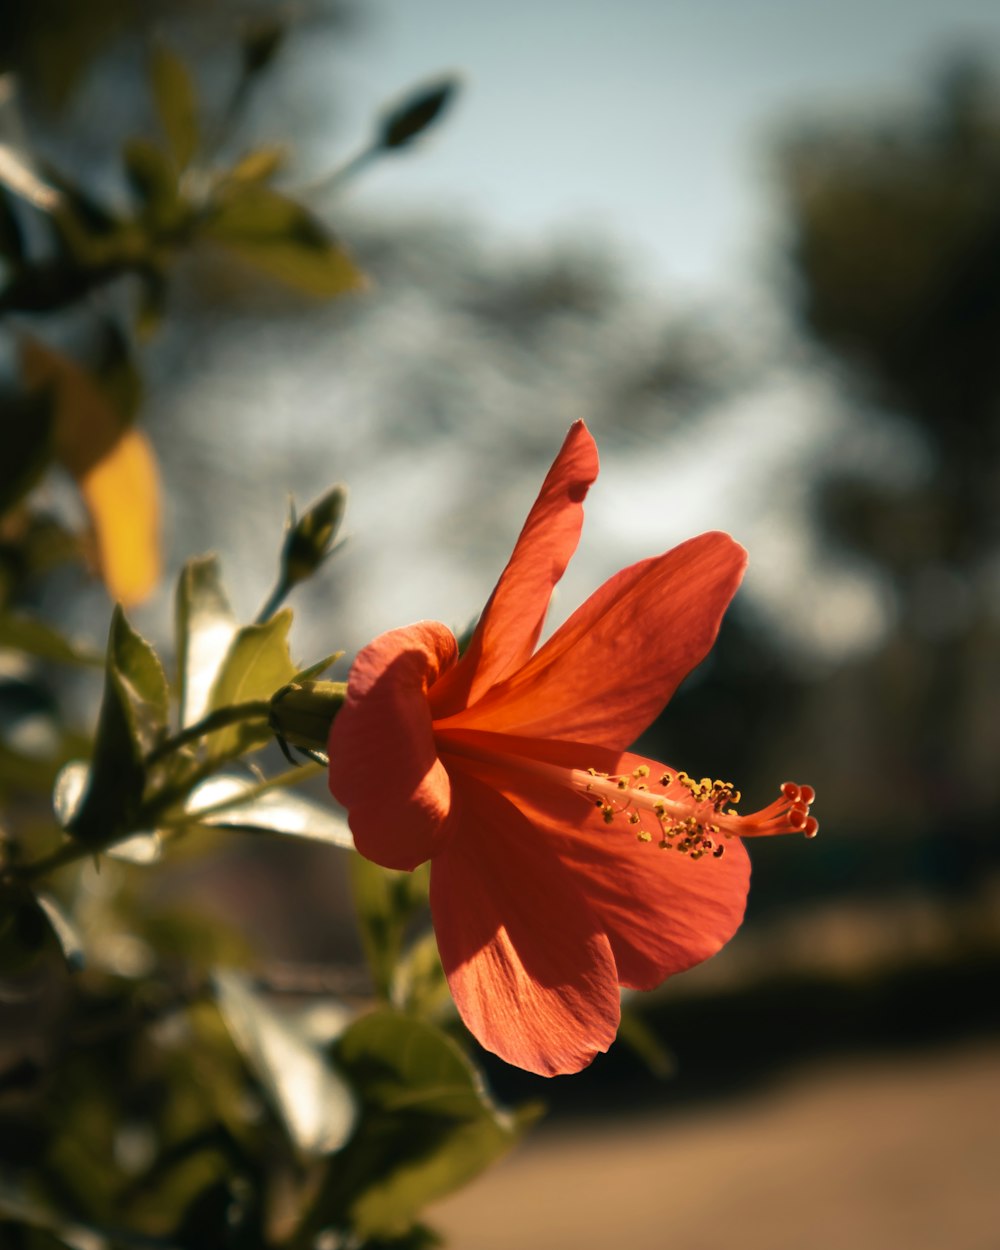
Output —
(384, 766)
(532, 977)
(662, 911)
(512, 619)
(605, 675)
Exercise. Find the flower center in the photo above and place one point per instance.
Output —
(693, 817)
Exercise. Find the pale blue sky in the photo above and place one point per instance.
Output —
(641, 120)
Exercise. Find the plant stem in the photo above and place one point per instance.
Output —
(71, 852)
(219, 719)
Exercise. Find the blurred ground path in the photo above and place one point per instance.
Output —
(890, 1153)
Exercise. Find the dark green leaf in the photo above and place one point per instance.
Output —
(262, 38)
(24, 930)
(34, 637)
(154, 181)
(257, 664)
(385, 901)
(282, 239)
(116, 369)
(133, 716)
(176, 104)
(419, 983)
(11, 234)
(644, 1043)
(310, 1097)
(204, 626)
(27, 425)
(416, 114)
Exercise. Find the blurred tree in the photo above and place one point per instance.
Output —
(895, 259)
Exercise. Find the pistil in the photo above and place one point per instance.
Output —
(678, 812)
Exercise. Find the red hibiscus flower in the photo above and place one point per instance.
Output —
(562, 867)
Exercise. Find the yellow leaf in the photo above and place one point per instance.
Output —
(122, 496)
(113, 465)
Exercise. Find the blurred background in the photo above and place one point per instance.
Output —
(756, 246)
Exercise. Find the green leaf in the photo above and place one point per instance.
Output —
(34, 637)
(273, 811)
(260, 165)
(419, 984)
(154, 181)
(257, 664)
(176, 104)
(204, 627)
(282, 239)
(385, 901)
(310, 1097)
(637, 1035)
(28, 427)
(24, 930)
(133, 717)
(11, 234)
(427, 1125)
(417, 112)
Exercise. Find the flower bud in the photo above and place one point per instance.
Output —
(309, 538)
(303, 711)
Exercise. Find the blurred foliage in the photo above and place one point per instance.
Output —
(154, 1091)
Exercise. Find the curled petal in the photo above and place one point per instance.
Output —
(605, 675)
(384, 765)
(530, 972)
(512, 619)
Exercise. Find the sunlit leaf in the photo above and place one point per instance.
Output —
(280, 237)
(256, 665)
(204, 629)
(312, 1100)
(141, 849)
(35, 637)
(273, 811)
(260, 165)
(18, 174)
(68, 938)
(68, 791)
(176, 104)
